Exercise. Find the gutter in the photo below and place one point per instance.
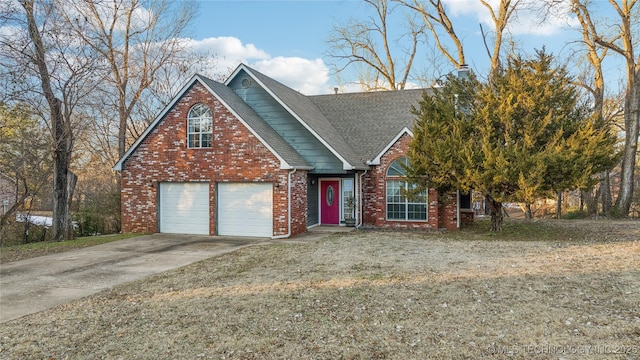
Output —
(288, 234)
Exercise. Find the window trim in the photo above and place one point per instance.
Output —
(200, 118)
(345, 197)
(397, 177)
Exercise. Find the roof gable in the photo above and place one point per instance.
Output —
(307, 113)
(376, 160)
(288, 157)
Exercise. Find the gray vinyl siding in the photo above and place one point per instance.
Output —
(313, 217)
(289, 128)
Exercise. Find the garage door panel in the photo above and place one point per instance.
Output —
(184, 208)
(245, 209)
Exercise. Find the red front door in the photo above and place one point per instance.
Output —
(330, 202)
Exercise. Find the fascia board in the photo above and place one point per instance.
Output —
(235, 73)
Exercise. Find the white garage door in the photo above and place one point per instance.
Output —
(184, 208)
(245, 209)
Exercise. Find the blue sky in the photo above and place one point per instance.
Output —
(288, 39)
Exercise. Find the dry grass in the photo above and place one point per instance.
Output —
(31, 250)
(369, 294)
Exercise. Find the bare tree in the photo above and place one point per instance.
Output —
(596, 87)
(438, 21)
(42, 61)
(136, 39)
(621, 39)
(369, 44)
(436, 18)
(506, 9)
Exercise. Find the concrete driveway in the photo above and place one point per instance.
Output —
(36, 284)
(40, 283)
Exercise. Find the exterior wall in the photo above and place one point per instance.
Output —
(294, 133)
(299, 200)
(236, 155)
(313, 215)
(441, 212)
(375, 202)
(448, 211)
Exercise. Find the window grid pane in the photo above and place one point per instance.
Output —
(417, 211)
(401, 208)
(199, 127)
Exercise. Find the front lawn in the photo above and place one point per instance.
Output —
(27, 251)
(369, 294)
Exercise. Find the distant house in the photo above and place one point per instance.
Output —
(7, 193)
(253, 157)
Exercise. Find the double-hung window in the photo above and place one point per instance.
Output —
(199, 126)
(399, 206)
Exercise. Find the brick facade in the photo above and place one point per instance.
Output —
(440, 214)
(236, 155)
(298, 202)
(448, 211)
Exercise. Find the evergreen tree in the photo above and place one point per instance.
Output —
(523, 137)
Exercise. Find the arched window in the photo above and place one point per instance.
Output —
(199, 131)
(399, 206)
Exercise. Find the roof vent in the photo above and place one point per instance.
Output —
(335, 90)
(246, 82)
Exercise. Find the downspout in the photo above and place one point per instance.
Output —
(288, 234)
(458, 209)
(361, 202)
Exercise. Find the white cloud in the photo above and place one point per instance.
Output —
(309, 76)
(230, 47)
(10, 32)
(306, 76)
(527, 20)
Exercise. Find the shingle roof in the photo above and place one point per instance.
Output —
(355, 126)
(369, 121)
(302, 106)
(266, 132)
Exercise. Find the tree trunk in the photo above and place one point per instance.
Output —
(71, 186)
(559, 205)
(581, 201)
(591, 201)
(25, 228)
(605, 193)
(631, 121)
(487, 205)
(623, 44)
(497, 214)
(61, 131)
(61, 195)
(528, 214)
